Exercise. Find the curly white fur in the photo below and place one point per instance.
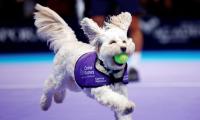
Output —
(121, 21)
(68, 50)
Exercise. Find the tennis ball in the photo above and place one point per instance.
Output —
(121, 58)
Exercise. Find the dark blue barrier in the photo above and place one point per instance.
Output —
(166, 33)
(20, 39)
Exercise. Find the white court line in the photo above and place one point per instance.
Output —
(131, 85)
(20, 87)
(165, 84)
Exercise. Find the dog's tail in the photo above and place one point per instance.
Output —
(51, 27)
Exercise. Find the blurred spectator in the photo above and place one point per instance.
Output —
(99, 9)
(10, 10)
(172, 8)
(16, 12)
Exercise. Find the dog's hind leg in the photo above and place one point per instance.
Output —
(48, 91)
(60, 95)
(54, 86)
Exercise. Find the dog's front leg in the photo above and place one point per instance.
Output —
(117, 102)
(121, 89)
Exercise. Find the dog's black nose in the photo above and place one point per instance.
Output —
(123, 49)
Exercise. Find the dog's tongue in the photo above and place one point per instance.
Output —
(121, 58)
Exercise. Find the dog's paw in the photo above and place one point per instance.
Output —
(127, 108)
(59, 96)
(45, 102)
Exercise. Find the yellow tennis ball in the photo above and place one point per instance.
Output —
(121, 58)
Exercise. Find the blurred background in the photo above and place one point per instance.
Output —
(166, 24)
(169, 84)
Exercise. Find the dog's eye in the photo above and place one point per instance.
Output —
(111, 42)
(124, 41)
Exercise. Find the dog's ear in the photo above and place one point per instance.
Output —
(121, 21)
(90, 28)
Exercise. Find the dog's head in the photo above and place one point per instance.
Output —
(111, 39)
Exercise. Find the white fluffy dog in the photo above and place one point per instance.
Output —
(109, 90)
